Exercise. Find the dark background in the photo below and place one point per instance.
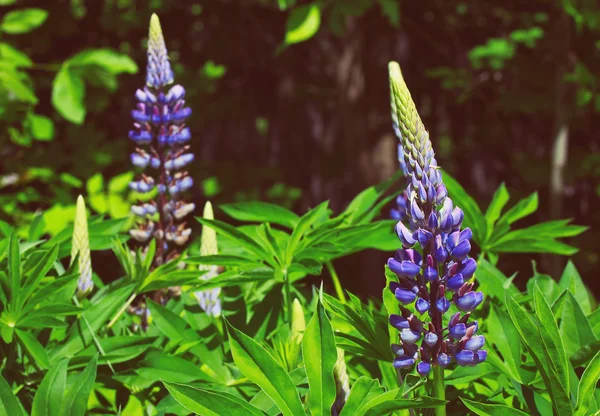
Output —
(493, 81)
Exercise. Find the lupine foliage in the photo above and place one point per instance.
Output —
(277, 344)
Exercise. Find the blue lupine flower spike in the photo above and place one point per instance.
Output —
(443, 274)
(161, 138)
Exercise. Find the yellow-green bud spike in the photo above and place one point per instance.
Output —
(158, 72)
(81, 246)
(209, 245)
(209, 300)
(298, 320)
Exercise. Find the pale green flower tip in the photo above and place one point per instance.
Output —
(155, 34)
(298, 320)
(208, 211)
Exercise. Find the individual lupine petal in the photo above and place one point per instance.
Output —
(403, 268)
(408, 254)
(430, 273)
(155, 162)
(481, 356)
(441, 193)
(423, 236)
(466, 288)
(421, 305)
(443, 359)
(404, 361)
(442, 305)
(465, 234)
(455, 282)
(457, 217)
(141, 235)
(140, 116)
(469, 301)
(474, 325)
(475, 343)
(141, 136)
(464, 357)
(183, 210)
(138, 210)
(423, 368)
(431, 194)
(404, 235)
(399, 322)
(431, 338)
(458, 331)
(141, 160)
(179, 161)
(143, 186)
(454, 319)
(415, 211)
(468, 268)
(397, 349)
(181, 114)
(422, 193)
(141, 96)
(441, 254)
(432, 221)
(461, 250)
(176, 93)
(405, 296)
(409, 336)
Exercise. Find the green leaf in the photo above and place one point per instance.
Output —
(320, 356)
(393, 400)
(23, 20)
(109, 59)
(303, 23)
(9, 404)
(575, 329)
(233, 233)
(257, 211)
(499, 201)
(11, 56)
(209, 402)
(493, 282)
(42, 128)
(587, 386)
(363, 390)
(503, 334)
(68, 91)
(391, 10)
(170, 324)
(49, 396)
(483, 409)
(303, 226)
(14, 271)
(532, 245)
(523, 208)
(118, 349)
(35, 276)
(18, 84)
(34, 348)
(546, 284)
(551, 337)
(571, 281)
(223, 260)
(75, 402)
(473, 216)
(261, 368)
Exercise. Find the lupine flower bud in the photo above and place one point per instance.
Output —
(435, 223)
(159, 123)
(209, 300)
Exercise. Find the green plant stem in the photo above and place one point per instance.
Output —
(439, 391)
(287, 287)
(336, 282)
(121, 311)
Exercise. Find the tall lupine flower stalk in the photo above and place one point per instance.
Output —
(161, 137)
(209, 299)
(442, 274)
(80, 248)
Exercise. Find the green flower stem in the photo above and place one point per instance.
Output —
(439, 391)
(336, 282)
(287, 287)
(121, 311)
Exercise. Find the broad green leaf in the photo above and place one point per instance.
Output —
(473, 216)
(575, 329)
(484, 409)
(9, 404)
(170, 324)
(303, 23)
(18, 84)
(159, 366)
(594, 320)
(23, 20)
(533, 245)
(49, 396)
(546, 284)
(551, 337)
(363, 390)
(14, 270)
(584, 354)
(587, 386)
(76, 399)
(548, 229)
(14, 57)
(111, 60)
(499, 201)
(34, 348)
(523, 208)
(529, 329)
(320, 356)
(261, 368)
(571, 280)
(210, 402)
(68, 91)
(503, 334)
(257, 211)
(42, 127)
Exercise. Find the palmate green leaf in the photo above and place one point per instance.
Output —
(261, 368)
(76, 399)
(234, 278)
(522, 209)
(33, 277)
(571, 281)
(9, 405)
(499, 201)
(503, 334)
(320, 356)
(529, 329)
(483, 409)
(587, 386)
(302, 23)
(49, 396)
(363, 390)
(575, 329)
(493, 282)
(367, 200)
(473, 216)
(33, 348)
(546, 284)
(23, 20)
(211, 403)
(258, 211)
(302, 228)
(551, 337)
(534, 245)
(65, 284)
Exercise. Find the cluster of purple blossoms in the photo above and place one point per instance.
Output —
(161, 137)
(439, 276)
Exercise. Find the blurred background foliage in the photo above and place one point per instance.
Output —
(291, 104)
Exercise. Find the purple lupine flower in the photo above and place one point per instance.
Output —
(443, 273)
(161, 136)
